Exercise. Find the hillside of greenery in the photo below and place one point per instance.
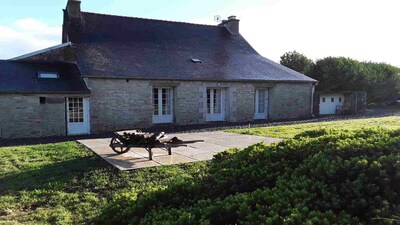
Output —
(319, 177)
(380, 80)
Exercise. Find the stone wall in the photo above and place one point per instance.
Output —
(117, 104)
(23, 116)
(290, 101)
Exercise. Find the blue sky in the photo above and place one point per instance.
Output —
(181, 10)
(361, 29)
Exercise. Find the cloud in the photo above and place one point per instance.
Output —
(25, 36)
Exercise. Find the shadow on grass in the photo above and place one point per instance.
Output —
(52, 176)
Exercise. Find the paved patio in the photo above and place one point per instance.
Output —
(214, 142)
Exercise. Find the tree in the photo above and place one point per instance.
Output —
(297, 61)
(381, 81)
(339, 74)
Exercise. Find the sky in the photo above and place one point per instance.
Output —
(366, 30)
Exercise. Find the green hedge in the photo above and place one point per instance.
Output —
(319, 177)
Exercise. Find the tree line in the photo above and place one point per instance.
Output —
(380, 80)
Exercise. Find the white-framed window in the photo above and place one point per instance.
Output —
(214, 100)
(78, 119)
(261, 103)
(163, 105)
(215, 104)
(75, 110)
(48, 75)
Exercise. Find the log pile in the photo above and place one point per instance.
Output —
(138, 137)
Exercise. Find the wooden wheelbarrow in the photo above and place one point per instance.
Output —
(123, 141)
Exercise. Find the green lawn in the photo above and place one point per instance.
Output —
(65, 183)
(289, 131)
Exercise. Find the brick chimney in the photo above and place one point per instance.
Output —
(232, 24)
(74, 9)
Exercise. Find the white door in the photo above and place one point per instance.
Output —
(78, 116)
(329, 103)
(163, 105)
(215, 104)
(261, 104)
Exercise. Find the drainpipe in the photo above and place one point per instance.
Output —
(312, 99)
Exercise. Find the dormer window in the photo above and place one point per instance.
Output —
(48, 75)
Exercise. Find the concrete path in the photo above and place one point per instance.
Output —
(214, 142)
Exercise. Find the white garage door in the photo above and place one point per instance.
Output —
(329, 103)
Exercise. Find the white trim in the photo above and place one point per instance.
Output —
(161, 118)
(312, 100)
(42, 51)
(257, 114)
(215, 116)
(79, 128)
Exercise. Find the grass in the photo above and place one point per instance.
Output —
(65, 183)
(289, 131)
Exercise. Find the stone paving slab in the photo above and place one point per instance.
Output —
(214, 142)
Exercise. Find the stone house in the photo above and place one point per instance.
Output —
(113, 73)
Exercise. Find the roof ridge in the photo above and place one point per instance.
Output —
(158, 20)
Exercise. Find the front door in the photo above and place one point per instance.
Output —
(78, 116)
(215, 104)
(163, 105)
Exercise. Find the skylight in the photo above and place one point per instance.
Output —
(194, 60)
(48, 75)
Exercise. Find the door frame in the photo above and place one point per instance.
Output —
(211, 117)
(86, 117)
(159, 119)
(257, 115)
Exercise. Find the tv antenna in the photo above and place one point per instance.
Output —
(217, 19)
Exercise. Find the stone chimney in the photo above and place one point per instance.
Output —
(74, 9)
(232, 24)
(72, 14)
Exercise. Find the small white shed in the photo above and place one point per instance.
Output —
(339, 102)
(331, 103)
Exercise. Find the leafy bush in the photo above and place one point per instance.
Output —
(320, 177)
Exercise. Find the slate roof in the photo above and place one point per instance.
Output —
(124, 47)
(22, 77)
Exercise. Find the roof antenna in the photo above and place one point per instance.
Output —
(217, 19)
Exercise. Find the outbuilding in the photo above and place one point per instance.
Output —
(339, 102)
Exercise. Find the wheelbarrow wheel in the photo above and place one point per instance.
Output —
(118, 147)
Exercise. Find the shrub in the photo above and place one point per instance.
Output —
(320, 177)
